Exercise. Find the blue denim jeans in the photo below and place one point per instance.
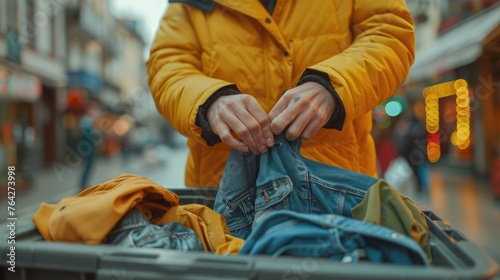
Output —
(253, 186)
(287, 233)
(135, 230)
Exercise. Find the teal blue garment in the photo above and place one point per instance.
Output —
(253, 187)
(287, 233)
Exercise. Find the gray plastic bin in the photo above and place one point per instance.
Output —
(454, 258)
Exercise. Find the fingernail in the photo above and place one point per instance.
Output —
(270, 142)
(263, 149)
(245, 149)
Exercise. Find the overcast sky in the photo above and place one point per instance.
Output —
(149, 12)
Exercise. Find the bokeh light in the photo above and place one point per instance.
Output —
(393, 108)
(121, 127)
(384, 123)
(461, 136)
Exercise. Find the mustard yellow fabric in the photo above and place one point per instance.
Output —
(366, 47)
(214, 235)
(92, 214)
(383, 205)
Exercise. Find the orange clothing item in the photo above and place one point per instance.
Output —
(214, 235)
(365, 47)
(92, 214)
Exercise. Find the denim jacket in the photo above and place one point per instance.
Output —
(281, 179)
(135, 230)
(287, 233)
(254, 188)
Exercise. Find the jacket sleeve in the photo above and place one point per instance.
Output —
(377, 62)
(176, 80)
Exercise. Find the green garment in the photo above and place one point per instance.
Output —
(383, 205)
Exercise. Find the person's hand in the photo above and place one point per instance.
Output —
(309, 106)
(242, 114)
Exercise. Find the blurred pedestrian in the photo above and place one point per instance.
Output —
(240, 72)
(86, 126)
(411, 136)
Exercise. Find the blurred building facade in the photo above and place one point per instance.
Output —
(460, 39)
(59, 61)
(32, 82)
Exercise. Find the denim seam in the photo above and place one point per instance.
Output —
(232, 227)
(277, 183)
(302, 165)
(309, 197)
(335, 238)
(128, 227)
(263, 206)
(237, 201)
(296, 246)
(337, 187)
(351, 230)
(239, 221)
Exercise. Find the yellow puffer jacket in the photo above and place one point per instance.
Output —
(366, 47)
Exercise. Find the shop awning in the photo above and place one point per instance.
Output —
(459, 46)
(19, 85)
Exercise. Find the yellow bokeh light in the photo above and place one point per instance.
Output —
(461, 136)
(431, 129)
(463, 126)
(433, 121)
(431, 98)
(464, 145)
(460, 83)
(462, 92)
(463, 103)
(454, 138)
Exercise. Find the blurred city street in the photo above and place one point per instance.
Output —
(163, 165)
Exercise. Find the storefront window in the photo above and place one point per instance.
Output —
(12, 17)
(28, 25)
(3, 16)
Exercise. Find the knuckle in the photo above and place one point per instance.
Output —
(243, 133)
(263, 120)
(253, 126)
(303, 104)
(231, 104)
(276, 125)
